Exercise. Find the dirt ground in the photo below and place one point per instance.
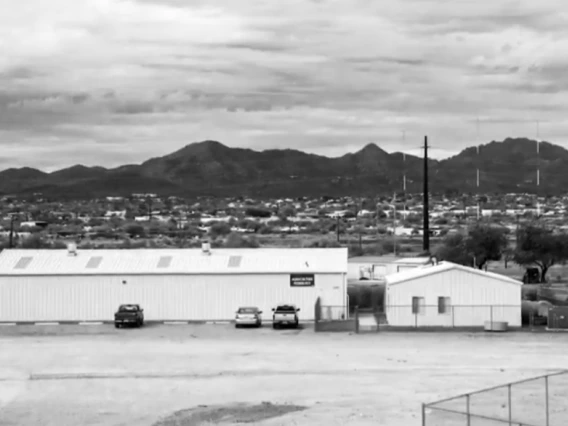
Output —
(216, 375)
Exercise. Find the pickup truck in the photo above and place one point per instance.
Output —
(285, 315)
(129, 315)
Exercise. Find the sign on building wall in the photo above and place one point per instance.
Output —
(302, 280)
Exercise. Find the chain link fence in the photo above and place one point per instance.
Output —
(538, 401)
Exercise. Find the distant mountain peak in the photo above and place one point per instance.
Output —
(212, 168)
(372, 148)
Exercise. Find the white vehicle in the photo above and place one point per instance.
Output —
(248, 316)
(285, 315)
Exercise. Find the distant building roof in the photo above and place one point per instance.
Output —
(426, 270)
(172, 261)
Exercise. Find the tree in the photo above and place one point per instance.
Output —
(258, 212)
(481, 245)
(454, 249)
(486, 243)
(135, 230)
(235, 240)
(539, 246)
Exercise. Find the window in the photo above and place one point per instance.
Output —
(235, 261)
(164, 261)
(94, 262)
(444, 304)
(23, 262)
(418, 305)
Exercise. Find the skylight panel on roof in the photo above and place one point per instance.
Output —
(164, 262)
(23, 262)
(235, 261)
(94, 262)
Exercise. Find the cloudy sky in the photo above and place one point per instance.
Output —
(108, 82)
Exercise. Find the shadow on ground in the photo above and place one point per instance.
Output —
(231, 414)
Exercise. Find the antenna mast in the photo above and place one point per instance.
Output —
(477, 170)
(537, 167)
(404, 164)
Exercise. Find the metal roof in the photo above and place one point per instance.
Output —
(172, 261)
(427, 270)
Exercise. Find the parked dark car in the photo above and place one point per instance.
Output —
(129, 315)
(285, 315)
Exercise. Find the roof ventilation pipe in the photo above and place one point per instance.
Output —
(72, 249)
(206, 247)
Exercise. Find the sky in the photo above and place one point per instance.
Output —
(111, 82)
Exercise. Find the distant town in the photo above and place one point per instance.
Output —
(148, 220)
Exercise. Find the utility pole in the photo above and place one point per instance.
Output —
(477, 174)
(426, 208)
(394, 223)
(11, 240)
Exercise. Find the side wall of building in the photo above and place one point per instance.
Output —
(474, 299)
(163, 297)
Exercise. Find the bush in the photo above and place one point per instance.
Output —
(258, 212)
(324, 243)
(235, 240)
(135, 230)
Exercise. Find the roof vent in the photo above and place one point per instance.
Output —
(434, 260)
(206, 248)
(235, 261)
(72, 249)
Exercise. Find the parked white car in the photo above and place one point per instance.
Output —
(248, 316)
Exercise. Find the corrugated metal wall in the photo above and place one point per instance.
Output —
(205, 297)
(471, 296)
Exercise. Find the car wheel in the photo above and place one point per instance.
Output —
(116, 325)
(259, 324)
(274, 326)
(237, 326)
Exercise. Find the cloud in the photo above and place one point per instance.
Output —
(113, 81)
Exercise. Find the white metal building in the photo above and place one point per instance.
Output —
(451, 295)
(378, 267)
(170, 284)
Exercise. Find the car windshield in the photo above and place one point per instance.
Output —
(128, 308)
(248, 310)
(286, 308)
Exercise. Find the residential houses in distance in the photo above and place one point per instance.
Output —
(149, 214)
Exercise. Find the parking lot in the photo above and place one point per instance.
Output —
(98, 375)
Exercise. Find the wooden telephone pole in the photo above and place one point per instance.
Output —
(426, 208)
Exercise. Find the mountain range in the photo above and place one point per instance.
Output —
(210, 168)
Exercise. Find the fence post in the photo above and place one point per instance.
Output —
(546, 396)
(467, 401)
(424, 414)
(317, 314)
(510, 405)
(453, 318)
(491, 315)
(416, 320)
(357, 319)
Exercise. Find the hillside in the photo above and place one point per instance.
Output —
(211, 168)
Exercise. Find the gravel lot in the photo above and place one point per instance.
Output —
(97, 375)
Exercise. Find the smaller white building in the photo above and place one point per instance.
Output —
(451, 295)
(378, 267)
